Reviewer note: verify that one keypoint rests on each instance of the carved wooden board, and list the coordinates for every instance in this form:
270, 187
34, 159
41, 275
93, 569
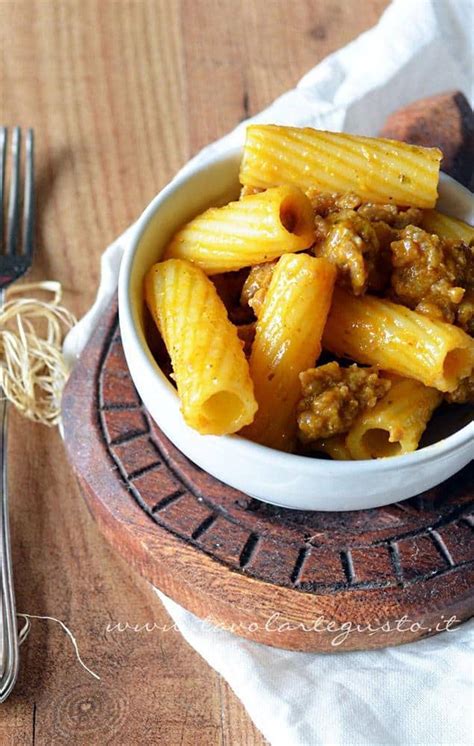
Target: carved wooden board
286, 578
223, 554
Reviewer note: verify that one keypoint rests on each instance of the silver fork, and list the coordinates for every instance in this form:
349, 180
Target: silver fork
16, 246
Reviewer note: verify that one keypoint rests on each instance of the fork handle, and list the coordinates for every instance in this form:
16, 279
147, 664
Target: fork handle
9, 646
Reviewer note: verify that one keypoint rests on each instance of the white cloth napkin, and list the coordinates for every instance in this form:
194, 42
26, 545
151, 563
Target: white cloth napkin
414, 694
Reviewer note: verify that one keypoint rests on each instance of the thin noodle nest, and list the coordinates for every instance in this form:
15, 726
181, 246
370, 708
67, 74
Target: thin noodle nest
33, 370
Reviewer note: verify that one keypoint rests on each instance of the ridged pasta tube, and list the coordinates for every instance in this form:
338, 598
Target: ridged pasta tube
447, 227
258, 228
287, 341
376, 169
396, 423
209, 366
378, 332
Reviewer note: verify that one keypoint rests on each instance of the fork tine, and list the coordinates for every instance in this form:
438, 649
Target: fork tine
13, 204
29, 198
3, 151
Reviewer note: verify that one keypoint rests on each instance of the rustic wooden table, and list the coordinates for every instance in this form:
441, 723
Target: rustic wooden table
121, 93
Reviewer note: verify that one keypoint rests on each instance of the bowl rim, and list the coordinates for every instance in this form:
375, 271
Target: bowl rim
309, 464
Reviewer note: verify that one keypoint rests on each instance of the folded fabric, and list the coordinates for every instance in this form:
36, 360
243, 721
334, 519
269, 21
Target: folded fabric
418, 693
414, 694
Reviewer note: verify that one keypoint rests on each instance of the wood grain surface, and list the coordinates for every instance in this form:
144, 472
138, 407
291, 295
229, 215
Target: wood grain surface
121, 93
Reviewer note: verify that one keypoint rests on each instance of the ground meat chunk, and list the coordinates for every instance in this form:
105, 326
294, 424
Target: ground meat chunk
333, 397
356, 236
464, 394
430, 274
324, 203
256, 286
394, 216
246, 334
465, 312
321, 229
386, 234
350, 242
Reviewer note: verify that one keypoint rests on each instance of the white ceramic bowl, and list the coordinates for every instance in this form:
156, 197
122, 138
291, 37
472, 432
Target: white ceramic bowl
279, 478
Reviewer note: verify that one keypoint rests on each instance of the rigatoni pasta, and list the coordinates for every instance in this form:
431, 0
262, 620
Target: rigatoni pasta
249, 294
446, 226
395, 425
209, 366
257, 228
287, 341
335, 447
376, 169
376, 331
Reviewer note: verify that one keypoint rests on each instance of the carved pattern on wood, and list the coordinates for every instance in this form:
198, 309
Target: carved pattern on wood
399, 545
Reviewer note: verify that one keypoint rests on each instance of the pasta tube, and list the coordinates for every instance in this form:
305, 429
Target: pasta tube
447, 227
378, 332
257, 228
377, 170
335, 447
210, 368
287, 341
396, 423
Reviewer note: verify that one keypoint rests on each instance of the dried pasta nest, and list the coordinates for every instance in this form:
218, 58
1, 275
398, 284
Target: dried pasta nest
33, 370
